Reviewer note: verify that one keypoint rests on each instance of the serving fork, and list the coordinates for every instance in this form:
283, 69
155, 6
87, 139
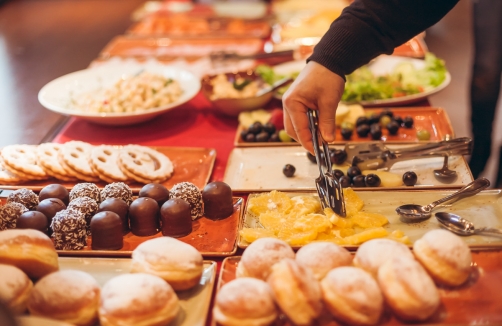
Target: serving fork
328, 188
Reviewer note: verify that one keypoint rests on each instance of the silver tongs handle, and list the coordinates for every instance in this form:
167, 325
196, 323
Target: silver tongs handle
328, 188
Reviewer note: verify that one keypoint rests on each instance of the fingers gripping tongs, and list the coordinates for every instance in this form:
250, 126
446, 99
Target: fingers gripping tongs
329, 189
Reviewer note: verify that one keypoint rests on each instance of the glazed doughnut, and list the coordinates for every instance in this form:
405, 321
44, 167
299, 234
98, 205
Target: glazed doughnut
69, 295
30, 250
408, 289
178, 263
137, 299
352, 295
245, 301
258, 258
372, 254
296, 291
15, 288
321, 257
445, 256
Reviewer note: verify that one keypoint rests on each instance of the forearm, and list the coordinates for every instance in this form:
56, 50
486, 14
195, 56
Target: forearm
368, 28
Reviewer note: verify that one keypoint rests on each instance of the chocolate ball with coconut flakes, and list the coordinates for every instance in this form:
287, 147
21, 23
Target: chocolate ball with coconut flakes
25, 197
117, 190
9, 213
190, 193
85, 189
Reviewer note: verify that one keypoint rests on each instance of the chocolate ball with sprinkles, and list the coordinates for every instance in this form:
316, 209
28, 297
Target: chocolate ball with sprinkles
117, 190
189, 192
25, 197
85, 189
9, 213
69, 228
87, 207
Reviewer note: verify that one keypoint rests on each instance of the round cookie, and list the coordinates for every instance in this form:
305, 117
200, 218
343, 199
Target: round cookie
178, 263
8, 177
143, 163
69, 295
352, 295
74, 157
15, 288
23, 159
245, 301
445, 256
48, 157
117, 190
258, 259
9, 213
86, 189
321, 257
191, 194
23, 196
104, 161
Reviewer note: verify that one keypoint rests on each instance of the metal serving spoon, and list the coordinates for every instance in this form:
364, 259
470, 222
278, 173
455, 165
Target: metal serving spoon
461, 226
445, 175
414, 213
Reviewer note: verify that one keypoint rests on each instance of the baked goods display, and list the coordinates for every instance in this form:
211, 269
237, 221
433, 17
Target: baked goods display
69, 295
245, 301
178, 263
445, 256
77, 160
15, 288
137, 299
30, 250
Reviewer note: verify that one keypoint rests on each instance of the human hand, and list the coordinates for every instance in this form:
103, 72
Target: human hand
317, 88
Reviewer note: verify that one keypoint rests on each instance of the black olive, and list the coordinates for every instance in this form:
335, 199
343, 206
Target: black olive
372, 180
274, 138
244, 133
288, 170
375, 132
345, 181
410, 178
353, 171
311, 157
338, 174
374, 118
250, 138
408, 122
398, 119
262, 137
363, 130
255, 128
362, 121
346, 133
388, 113
358, 181
393, 127
269, 128
338, 156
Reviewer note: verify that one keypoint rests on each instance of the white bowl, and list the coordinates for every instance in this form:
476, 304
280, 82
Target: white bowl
57, 94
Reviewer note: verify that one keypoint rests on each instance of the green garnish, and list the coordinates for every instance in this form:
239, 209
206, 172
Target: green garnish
240, 86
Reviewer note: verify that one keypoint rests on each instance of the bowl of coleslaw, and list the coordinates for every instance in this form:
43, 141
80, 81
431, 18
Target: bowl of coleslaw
122, 94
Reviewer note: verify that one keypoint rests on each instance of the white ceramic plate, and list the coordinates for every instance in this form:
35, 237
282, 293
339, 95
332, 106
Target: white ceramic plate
57, 94
194, 302
380, 66
260, 169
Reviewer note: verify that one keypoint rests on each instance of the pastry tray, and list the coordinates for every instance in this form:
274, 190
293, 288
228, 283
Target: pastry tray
191, 164
477, 301
483, 209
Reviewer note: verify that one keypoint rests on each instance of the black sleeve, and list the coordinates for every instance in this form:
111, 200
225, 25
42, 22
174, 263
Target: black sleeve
368, 28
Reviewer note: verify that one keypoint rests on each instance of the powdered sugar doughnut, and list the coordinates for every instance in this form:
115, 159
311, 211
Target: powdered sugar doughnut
15, 288
321, 257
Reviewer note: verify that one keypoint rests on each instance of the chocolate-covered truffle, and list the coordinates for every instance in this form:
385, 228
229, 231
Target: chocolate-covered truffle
85, 205
69, 228
33, 220
85, 189
218, 202
144, 217
106, 230
155, 191
189, 192
55, 191
50, 206
117, 190
176, 218
119, 207
9, 213
25, 197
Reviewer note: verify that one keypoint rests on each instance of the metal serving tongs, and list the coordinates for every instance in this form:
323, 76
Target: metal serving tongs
329, 189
